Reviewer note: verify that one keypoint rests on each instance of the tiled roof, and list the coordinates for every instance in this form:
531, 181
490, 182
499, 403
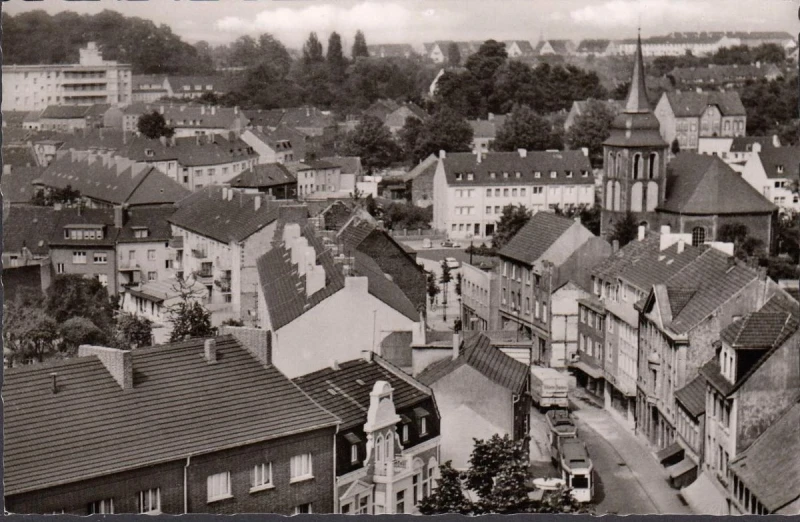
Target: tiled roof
524, 46
593, 46
381, 109
712, 373
759, 330
164, 289
263, 175
478, 353
745, 143
94, 139
679, 298
348, 164
425, 167
785, 158
179, 84
207, 213
116, 183
155, 220
693, 396
28, 226
16, 186
501, 163
307, 117
536, 237
89, 216
692, 104
560, 47
390, 50
93, 427
188, 115
264, 118
769, 467
18, 156
138, 81
190, 151
487, 128
700, 184
720, 74
65, 112
350, 400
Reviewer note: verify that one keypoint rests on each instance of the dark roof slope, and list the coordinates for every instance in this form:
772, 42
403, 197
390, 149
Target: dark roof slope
769, 467
101, 217
155, 220
781, 162
18, 157
190, 151
263, 175
17, 186
538, 235
65, 112
479, 353
759, 330
745, 143
569, 166
207, 213
692, 104
28, 226
693, 396
350, 398
700, 184
92, 427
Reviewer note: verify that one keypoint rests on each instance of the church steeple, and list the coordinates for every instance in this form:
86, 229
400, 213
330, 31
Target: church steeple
637, 95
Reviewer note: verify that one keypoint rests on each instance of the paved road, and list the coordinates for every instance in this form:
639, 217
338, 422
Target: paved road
630, 480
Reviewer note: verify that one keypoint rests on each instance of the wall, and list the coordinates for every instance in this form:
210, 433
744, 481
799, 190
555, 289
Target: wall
161, 253
471, 406
64, 255
244, 273
337, 329
422, 357
564, 325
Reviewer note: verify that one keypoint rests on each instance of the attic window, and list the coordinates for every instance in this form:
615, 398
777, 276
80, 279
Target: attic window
553, 174
517, 175
505, 175
492, 175
585, 173
141, 232
149, 153
780, 169
470, 176
459, 177
569, 173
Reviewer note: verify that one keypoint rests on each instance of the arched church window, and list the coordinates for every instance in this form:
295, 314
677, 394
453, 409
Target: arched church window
637, 166
698, 236
610, 168
617, 164
652, 166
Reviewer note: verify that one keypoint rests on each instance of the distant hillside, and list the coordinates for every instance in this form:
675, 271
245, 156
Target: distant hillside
36, 37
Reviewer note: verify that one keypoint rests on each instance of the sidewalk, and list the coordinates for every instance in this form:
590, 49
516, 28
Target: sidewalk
639, 459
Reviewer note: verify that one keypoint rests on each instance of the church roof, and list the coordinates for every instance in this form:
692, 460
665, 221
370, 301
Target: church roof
700, 184
637, 101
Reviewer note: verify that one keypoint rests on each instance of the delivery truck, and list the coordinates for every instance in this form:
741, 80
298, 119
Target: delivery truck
549, 388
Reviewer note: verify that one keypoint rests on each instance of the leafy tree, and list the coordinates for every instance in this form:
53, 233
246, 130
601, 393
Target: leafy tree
787, 233
453, 55
524, 129
591, 129
444, 130
373, 142
154, 126
312, 50
444, 280
511, 221
405, 216
780, 267
675, 148
459, 280
28, 331
188, 317
273, 55
132, 331
625, 230
448, 497
335, 58
360, 49
432, 288
408, 137
588, 214
76, 331
64, 196
76, 296
744, 246
460, 92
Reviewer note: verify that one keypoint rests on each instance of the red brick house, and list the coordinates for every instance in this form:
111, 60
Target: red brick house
206, 426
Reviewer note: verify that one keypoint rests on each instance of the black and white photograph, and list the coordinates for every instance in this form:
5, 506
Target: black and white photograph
420, 257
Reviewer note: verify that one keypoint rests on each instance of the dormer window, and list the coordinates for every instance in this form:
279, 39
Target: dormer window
517, 175
141, 232
584, 173
553, 174
569, 173
459, 177
149, 153
780, 169
505, 175
493, 175
470, 176
537, 174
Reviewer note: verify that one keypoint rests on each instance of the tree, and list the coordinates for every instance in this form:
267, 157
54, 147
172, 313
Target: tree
453, 55
459, 280
76, 296
588, 214
188, 317
312, 50
591, 129
744, 246
373, 142
625, 230
511, 221
154, 126
360, 49
409, 136
28, 332
79, 330
65, 196
132, 331
444, 130
675, 147
432, 288
273, 55
335, 58
444, 280
523, 129
448, 497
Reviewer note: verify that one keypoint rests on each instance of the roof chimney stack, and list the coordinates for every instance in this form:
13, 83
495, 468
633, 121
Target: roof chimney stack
55, 383
642, 232
681, 246
119, 363
257, 202
523, 153
255, 340
210, 350
442, 154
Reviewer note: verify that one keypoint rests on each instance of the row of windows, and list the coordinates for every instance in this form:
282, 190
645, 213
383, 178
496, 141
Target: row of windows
747, 499
517, 175
592, 318
149, 502
79, 258
539, 310
590, 346
80, 233
219, 484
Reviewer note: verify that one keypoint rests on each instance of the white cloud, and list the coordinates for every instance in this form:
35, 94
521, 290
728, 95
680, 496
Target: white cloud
652, 13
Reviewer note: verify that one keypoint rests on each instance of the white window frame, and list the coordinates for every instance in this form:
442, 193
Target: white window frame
261, 477
310, 509
353, 453
218, 486
102, 507
423, 426
100, 258
77, 255
147, 506
301, 468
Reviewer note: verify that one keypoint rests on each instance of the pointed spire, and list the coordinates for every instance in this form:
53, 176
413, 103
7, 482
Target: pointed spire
637, 95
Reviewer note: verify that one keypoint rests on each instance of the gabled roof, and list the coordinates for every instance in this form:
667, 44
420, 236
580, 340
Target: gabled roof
593, 46
16, 186
18, 156
560, 47
536, 237
89, 139
263, 175
501, 163
28, 226
347, 164
487, 128
165, 289
525, 46
424, 167
769, 467
745, 143
390, 50
701, 184
92, 427
96, 217
350, 398
192, 115
479, 353
785, 159
179, 84
269, 118
693, 396
112, 182
760, 330
65, 112
208, 213
687, 104
195, 151
155, 220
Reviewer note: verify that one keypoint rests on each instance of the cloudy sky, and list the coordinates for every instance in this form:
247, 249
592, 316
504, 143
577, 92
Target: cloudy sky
416, 21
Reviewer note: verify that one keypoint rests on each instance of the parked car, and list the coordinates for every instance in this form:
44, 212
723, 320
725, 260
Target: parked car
450, 244
452, 263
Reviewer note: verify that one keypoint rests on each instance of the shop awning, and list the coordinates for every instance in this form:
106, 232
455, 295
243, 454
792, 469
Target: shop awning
681, 468
591, 371
672, 452
704, 497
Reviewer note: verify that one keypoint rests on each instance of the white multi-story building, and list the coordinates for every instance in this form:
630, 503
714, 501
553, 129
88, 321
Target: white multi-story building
93, 80
775, 173
471, 190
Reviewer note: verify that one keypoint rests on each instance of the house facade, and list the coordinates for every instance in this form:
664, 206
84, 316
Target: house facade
688, 116
775, 173
480, 296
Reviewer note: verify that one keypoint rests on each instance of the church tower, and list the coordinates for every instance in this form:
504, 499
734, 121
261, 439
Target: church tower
634, 158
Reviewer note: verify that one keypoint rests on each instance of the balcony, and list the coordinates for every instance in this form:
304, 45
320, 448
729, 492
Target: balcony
128, 265
223, 284
394, 467
199, 254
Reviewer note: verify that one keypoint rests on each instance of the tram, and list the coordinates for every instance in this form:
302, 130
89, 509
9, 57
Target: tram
577, 470
561, 427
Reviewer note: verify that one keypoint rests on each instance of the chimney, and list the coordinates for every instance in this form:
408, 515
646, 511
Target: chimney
665, 229
490, 117
442, 154
523, 153
367, 355
335, 366
315, 280
642, 232
163, 140
255, 340
119, 363
161, 109
297, 247
197, 140
236, 110
210, 350
6, 169
55, 382
290, 232
456, 345
585, 151
418, 334
119, 216
615, 246
308, 112
776, 142
257, 202
681, 246
479, 157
